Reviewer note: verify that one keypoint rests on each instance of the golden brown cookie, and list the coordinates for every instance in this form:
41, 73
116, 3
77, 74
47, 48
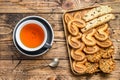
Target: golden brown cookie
79, 23
91, 49
104, 44
107, 65
72, 28
88, 38
107, 53
91, 67
74, 25
74, 42
101, 32
68, 17
78, 54
79, 68
95, 57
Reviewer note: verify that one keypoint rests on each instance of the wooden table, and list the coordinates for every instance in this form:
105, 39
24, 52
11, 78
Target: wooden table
14, 66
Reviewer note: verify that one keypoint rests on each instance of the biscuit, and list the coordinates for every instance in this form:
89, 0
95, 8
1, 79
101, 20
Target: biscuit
91, 49
95, 57
79, 23
107, 65
68, 17
104, 44
77, 55
97, 21
102, 32
96, 12
72, 29
91, 67
88, 38
74, 41
107, 53
79, 68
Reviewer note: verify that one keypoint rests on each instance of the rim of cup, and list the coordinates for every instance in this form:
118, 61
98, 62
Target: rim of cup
17, 35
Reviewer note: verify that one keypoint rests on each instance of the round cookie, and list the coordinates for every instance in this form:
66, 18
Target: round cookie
91, 67
107, 65
95, 57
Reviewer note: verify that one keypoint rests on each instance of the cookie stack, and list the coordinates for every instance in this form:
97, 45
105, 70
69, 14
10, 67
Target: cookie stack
91, 49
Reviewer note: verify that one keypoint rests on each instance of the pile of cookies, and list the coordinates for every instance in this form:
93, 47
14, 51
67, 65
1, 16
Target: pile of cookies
91, 49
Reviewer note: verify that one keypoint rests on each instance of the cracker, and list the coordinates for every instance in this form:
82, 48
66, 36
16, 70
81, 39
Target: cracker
107, 65
96, 12
98, 21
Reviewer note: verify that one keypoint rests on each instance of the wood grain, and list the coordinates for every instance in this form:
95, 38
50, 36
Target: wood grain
11, 11
30, 69
46, 6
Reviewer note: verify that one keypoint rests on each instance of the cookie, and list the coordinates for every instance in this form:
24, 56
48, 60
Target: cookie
104, 44
107, 65
68, 17
91, 67
96, 12
107, 53
88, 38
102, 32
79, 68
79, 23
94, 57
74, 41
77, 55
97, 22
91, 50
72, 29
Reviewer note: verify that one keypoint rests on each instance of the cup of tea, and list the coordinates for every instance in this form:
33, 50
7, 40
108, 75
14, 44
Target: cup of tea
30, 36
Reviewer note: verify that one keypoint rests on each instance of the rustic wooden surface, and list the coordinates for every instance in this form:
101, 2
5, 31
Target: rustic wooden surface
14, 66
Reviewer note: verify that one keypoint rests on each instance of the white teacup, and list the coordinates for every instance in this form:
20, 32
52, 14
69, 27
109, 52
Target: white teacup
21, 24
18, 35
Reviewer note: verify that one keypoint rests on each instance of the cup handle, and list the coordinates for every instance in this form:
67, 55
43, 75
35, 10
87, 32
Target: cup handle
47, 45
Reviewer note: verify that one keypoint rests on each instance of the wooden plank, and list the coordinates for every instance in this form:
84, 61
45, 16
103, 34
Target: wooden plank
44, 6
10, 20
116, 35
29, 7
35, 69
